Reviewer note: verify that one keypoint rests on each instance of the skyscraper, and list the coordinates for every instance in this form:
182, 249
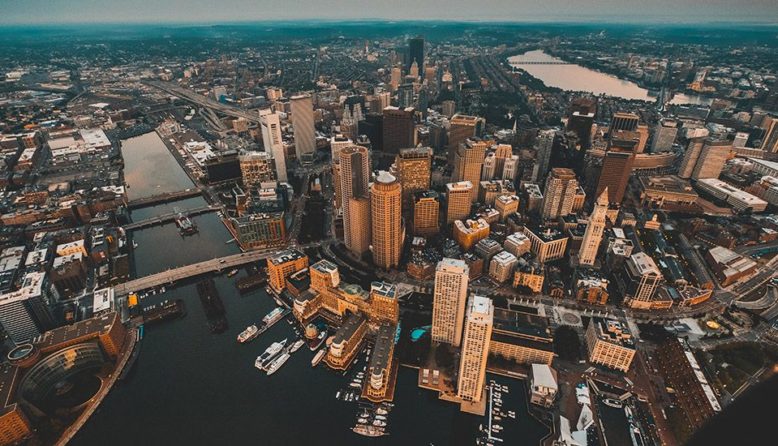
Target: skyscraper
354, 178
616, 169
468, 163
413, 168
426, 213
302, 121
449, 299
386, 220
479, 320
593, 234
416, 52
271, 139
399, 129
559, 195
458, 198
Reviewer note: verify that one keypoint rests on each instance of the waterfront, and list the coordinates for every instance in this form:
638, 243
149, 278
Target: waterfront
574, 77
186, 373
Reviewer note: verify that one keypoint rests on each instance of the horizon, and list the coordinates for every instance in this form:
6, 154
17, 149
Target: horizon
201, 12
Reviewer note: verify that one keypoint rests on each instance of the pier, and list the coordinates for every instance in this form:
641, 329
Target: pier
163, 198
167, 218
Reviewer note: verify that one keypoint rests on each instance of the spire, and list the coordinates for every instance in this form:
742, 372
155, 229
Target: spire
602, 200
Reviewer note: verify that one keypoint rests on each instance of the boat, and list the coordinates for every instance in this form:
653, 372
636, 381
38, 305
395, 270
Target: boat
232, 273
319, 340
185, 225
296, 346
274, 316
379, 423
369, 431
249, 334
278, 362
610, 402
268, 355
318, 357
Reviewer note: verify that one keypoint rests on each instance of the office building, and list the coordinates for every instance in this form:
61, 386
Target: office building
273, 142
501, 266
354, 179
458, 200
302, 122
413, 168
416, 52
479, 317
399, 129
610, 343
593, 234
559, 196
386, 220
468, 163
256, 169
282, 265
664, 136
426, 213
448, 302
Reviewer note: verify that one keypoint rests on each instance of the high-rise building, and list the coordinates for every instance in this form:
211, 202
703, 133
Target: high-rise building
543, 146
399, 129
302, 121
449, 299
479, 320
593, 234
256, 169
468, 163
273, 142
624, 121
354, 179
458, 199
614, 175
460, 129
413, 168
416, 52
664, 135
770, 139
386, 220
426, 213
558, 198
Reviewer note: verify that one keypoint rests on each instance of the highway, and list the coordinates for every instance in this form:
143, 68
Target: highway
203, 101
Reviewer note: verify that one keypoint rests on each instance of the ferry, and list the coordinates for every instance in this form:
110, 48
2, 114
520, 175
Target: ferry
232, 273
274, 316
318, 357
369, 431
268, 355
278, 362
319, 340
185, 225
296, 346
249, 334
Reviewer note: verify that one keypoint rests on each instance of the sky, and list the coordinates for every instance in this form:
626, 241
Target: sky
213, 11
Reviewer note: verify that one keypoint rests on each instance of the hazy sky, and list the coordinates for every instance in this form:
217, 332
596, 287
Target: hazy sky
686, 11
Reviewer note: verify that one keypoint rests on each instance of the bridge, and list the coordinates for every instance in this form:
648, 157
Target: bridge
539, 62
208, 266
203, 101
163, 198
166, 218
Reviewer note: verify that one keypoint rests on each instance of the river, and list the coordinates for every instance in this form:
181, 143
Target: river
574, 77
190, 386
